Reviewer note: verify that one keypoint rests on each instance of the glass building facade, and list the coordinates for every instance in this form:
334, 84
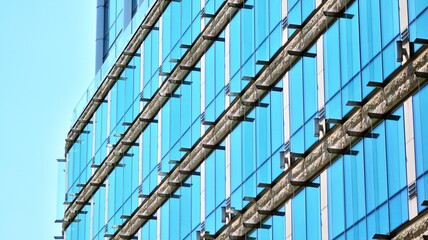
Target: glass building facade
233, 119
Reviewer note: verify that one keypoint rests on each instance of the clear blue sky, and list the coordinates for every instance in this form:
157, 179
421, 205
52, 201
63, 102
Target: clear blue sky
47, 56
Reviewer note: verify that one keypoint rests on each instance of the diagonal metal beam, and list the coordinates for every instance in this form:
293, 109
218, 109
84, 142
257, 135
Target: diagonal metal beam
416, 228
125, 57
270, 74
151, 109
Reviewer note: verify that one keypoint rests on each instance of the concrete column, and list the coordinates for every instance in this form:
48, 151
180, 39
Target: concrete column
160, 83
404, 24
94, 134
410, 154
202, 23
288, 222
202, 126
158, 225
140, 145
108, 149
159, 216
408, 118
285, 85
284, 13
324, 205
99, 42
320, 80
227, 103
286, 102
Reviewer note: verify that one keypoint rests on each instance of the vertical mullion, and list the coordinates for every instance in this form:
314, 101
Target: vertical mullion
410, 154
202, 89
160, 122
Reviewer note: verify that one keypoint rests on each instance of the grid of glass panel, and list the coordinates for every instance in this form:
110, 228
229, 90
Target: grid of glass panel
113, 23
368, 189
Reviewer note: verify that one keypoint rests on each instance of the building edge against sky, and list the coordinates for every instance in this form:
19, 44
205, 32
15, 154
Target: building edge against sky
280, 119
